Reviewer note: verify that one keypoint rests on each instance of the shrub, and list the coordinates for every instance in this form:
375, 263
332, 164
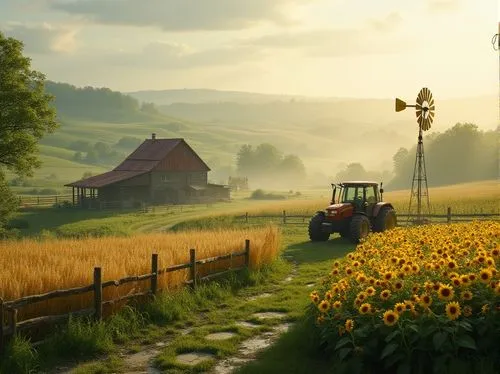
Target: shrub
261, 195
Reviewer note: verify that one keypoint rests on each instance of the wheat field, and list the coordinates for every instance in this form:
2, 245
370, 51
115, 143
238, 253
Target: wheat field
466, 198
31, 267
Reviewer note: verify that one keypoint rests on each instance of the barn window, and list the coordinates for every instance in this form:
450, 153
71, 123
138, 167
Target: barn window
166, 179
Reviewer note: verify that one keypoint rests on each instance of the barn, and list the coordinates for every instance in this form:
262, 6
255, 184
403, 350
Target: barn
159, 171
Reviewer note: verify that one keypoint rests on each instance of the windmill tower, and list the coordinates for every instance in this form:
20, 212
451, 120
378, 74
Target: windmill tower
419, 190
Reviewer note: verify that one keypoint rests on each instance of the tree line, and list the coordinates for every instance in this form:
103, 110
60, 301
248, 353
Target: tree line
462, 153
266, 164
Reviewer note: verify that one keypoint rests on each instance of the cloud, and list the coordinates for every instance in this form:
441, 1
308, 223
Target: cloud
439, 6
167, 55
374, 37
182, 15
44, 38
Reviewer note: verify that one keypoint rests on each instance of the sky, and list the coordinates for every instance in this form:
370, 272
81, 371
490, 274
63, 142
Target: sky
334, 48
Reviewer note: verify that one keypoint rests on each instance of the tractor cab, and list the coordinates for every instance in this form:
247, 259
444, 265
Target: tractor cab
362, 196
356, 208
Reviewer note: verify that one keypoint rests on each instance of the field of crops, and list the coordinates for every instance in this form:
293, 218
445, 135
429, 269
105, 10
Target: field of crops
32, 267
413, 293
467, 198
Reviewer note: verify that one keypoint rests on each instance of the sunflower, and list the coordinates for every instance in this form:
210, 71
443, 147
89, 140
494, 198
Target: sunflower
453, 310
452, 265
388, 275
390, 318
361, 278
324, 306
446, 292
314, 297
320, 320
328, 295
361, 296
485, 308
467, 311
370, 291
337, 305
334, 272
497, 288
410, 307
466, 295
457, 282
385, 295
485, 275
349, 325
365, 308
400, 308
398, 285
465, 280
348, 271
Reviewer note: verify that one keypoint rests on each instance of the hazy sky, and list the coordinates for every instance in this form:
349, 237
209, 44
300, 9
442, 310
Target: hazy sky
358, 48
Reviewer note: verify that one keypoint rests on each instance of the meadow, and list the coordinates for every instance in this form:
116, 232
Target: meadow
31, 267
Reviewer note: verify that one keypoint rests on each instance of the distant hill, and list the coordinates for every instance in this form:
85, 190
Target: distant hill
98, 104
100, 127
199, 96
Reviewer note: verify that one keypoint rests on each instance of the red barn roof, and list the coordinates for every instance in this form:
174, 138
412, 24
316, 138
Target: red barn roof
159, 154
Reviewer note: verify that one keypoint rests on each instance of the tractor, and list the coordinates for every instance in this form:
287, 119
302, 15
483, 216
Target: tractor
356, 209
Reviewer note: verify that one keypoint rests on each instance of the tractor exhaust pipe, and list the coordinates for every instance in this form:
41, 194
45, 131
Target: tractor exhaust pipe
381, 191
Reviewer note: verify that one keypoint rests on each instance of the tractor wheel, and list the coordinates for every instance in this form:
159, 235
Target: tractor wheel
316, 233
359, 228
385, 220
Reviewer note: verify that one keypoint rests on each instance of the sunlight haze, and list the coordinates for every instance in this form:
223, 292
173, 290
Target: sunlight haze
334, 48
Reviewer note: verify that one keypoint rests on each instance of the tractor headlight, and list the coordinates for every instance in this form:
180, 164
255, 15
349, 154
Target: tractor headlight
332, 212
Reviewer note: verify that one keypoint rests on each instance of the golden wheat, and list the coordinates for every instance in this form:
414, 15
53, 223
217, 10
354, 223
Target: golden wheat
32, 267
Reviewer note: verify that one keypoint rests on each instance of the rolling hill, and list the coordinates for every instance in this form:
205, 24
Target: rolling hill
324, 134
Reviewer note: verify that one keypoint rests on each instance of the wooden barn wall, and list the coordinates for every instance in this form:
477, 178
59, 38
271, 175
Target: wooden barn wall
181, 158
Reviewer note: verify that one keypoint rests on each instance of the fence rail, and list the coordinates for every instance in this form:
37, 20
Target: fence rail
292, 219
43, 200
9, 309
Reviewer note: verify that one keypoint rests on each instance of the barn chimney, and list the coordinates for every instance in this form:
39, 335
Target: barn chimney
153, 136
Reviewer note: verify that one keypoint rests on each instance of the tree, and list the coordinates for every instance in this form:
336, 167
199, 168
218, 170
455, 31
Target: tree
26, 116
292, 168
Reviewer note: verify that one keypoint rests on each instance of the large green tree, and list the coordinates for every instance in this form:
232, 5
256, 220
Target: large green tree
26, 115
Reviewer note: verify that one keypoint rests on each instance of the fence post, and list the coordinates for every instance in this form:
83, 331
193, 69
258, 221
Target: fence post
13, 321
154, 271
1, 325
56, 199
284, 216
38, 200
192, 255
448, 215
247, 253
98, 293
246, 217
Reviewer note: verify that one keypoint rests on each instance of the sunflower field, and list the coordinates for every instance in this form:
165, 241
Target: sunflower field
414, 300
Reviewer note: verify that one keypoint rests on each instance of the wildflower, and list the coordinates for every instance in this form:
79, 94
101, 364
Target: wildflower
390, 318
453, 310
445, 292
349, 325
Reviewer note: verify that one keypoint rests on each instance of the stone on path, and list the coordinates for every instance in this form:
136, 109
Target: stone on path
220, 336
268, 315
248, 325
193, 358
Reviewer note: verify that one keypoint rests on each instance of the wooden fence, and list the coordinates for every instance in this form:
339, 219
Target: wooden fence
10, 308
403, 219
43, 200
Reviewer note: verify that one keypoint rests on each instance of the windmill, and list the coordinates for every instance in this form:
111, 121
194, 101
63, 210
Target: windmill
425, 115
